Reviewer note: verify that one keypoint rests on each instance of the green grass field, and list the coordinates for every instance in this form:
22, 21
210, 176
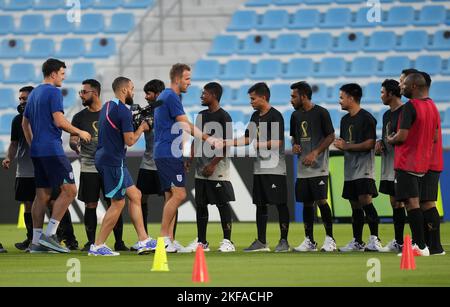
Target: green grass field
233, 269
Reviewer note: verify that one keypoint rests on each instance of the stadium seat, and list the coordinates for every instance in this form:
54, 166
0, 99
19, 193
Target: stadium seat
350, 42
224, 45
280, 94
70, 96
121, 23
243, 21
268, 69
319, 92
305, 19
445, 70
432, 15
31, 24
59, 25
41, 48
286, 44
371, 93
90, 24
80, 72
192, 97
413, 41
7, 98
85, 4
21, 73
71, 48
432, 64
2, 74
242, 95
287, 2
331, 68
49, 4
107, 4
206, 70
441, 41
439, 91
102, 48
381, 41
314, 2
361, 20
236, 116
399, 16
138, 4
6, 24
363, 67
18, 5
11, 48
318, 43
227, 95
255, 45
333, 95
5, 123
392, 66
446, 140
446, 119
336, 18
349, 1
236, 70
335, 116
299, 68
287, 121
253, 3
274, 20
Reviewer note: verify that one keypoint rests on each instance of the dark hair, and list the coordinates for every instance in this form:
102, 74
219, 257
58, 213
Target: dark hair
214, 88
260, 89
303, 88
52, 65
27, 89
409, 71
119, 82
94, 84
417, 79
427, 78
392, 87
156, 86
177, 71
353, 90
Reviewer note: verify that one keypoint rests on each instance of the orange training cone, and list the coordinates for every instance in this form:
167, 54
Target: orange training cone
407, 262
200, 272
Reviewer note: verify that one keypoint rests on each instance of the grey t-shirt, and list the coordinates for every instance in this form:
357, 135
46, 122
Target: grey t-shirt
213, 124
355, 130
308, 130
266, 128
87, 121
390, 122
147, 160
25, 167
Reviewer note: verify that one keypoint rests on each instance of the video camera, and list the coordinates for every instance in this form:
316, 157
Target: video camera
144, 113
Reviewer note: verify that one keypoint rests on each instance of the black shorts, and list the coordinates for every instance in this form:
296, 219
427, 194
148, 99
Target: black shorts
269, 189
406, 185
213, 192
90, 186
148, 182
429, 186
52, 171
311, 189
354, 188
25, 189
387, 187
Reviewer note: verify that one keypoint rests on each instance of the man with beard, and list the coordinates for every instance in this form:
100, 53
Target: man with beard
115, 133
90, 181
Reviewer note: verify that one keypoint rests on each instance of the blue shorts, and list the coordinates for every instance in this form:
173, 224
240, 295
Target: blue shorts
52, 172
171, 173
116, 180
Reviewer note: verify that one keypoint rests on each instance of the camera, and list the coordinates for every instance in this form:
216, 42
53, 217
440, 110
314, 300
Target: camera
146, 113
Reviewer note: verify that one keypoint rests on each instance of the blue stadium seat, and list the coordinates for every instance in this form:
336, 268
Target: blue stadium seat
319, 92
318, 43
331, 68
59, 25
242, 95
268, 69
49, 4
439, 91
399, 16
431, 15
137, 4
206, 70
21, 73
90, 24
280, 94
71, 48
314, 2
81, 71
335, 116
372, 93
7, 98
236, 70
227, 95
243, 21
31, 24
349, 1
6, 24
274, 20
287, 2
446, 119
237, 116
446, 140
392, 66
102, 48
432, 64
255, 44
287, 122
381, 41
363, 67
305, 19
70, 96
361, 19
18, 5
224, 45
413, 41
336, 18
2, 74
41, 48
192, 97
253, 3
333, 97
446, 69
286, 44
299, 68
107, 4
441, 41
11, 48
121, 23
5, 123
350, 42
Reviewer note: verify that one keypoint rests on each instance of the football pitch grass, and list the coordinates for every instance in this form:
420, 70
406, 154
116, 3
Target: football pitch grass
229, 270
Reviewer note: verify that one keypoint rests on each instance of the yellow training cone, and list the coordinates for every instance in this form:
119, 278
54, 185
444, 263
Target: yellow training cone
21, 219
160, 261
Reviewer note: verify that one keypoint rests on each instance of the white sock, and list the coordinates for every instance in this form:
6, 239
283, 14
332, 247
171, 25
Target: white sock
52, 227
144, 241
36, 235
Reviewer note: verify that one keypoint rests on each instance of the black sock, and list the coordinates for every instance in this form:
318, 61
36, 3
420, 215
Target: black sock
261, 222
308, 221
175, 225
202, 222
66, 226
118, 230
415, 218
225, 218
358, 224
90, 223
29, 224
325, 212
372, 219
283, 219
399, 216
433, 221
144, 216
